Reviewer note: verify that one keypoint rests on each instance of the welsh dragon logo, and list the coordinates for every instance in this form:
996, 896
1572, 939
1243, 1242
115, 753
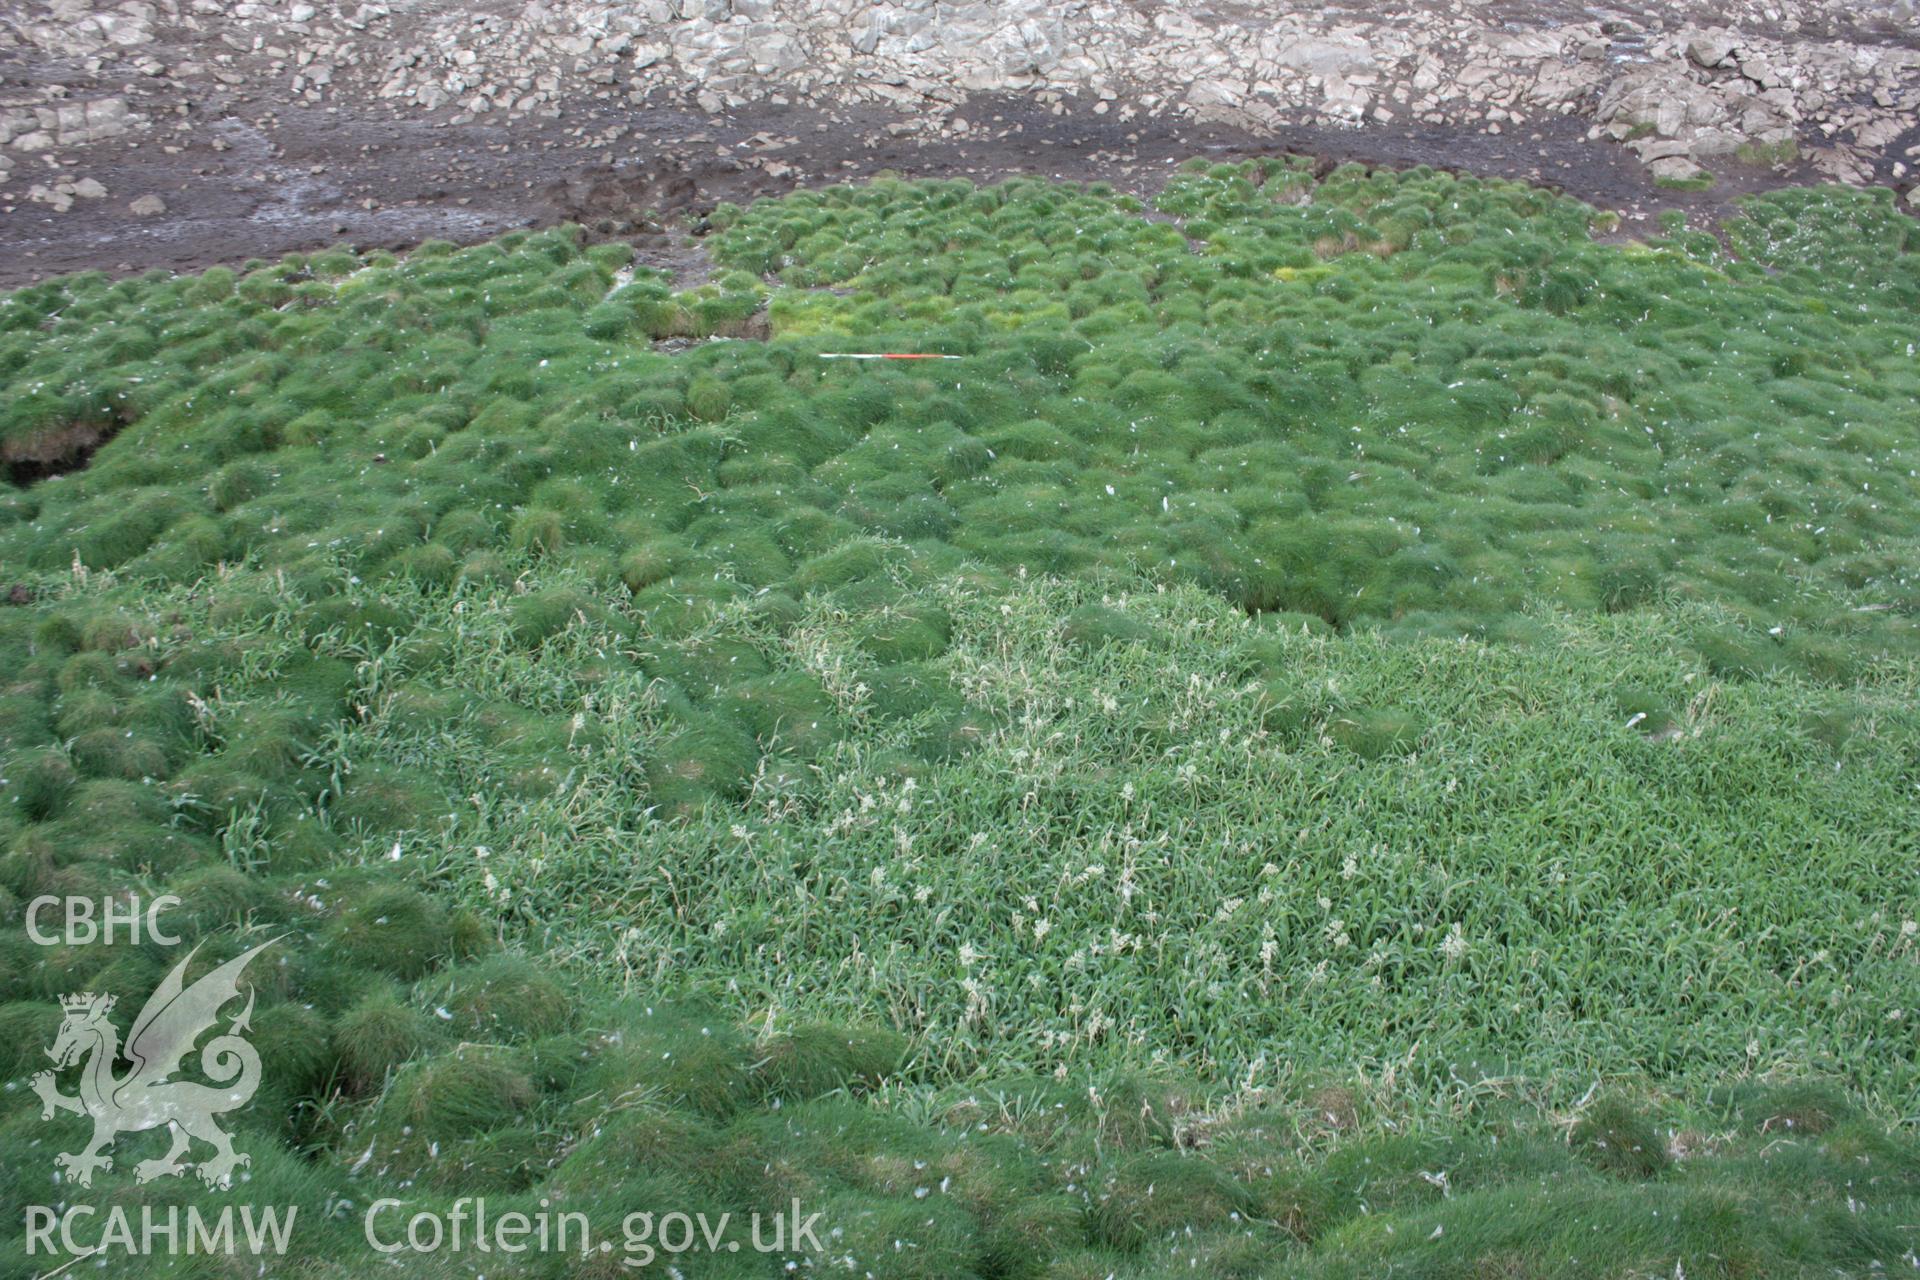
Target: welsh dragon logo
145, 1097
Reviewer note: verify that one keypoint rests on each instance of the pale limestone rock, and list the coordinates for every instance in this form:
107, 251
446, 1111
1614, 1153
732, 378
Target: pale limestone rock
1711, 48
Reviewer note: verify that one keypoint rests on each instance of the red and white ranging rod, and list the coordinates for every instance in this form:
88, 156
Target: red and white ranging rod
882, 355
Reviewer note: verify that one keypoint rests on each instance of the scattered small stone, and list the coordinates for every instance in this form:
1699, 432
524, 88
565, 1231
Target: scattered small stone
148, 206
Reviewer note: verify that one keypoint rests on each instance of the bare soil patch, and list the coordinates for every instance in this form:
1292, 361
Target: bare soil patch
322, 177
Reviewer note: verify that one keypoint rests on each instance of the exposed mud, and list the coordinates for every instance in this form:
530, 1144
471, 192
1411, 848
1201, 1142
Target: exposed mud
322, 178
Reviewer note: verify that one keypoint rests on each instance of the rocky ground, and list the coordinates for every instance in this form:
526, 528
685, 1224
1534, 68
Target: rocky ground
182, 132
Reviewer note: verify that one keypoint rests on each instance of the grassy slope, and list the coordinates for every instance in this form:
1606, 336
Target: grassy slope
425, 614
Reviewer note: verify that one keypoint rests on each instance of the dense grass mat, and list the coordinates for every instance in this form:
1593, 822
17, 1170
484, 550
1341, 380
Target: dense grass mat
1156, 831
1338, 670
1133, 1180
